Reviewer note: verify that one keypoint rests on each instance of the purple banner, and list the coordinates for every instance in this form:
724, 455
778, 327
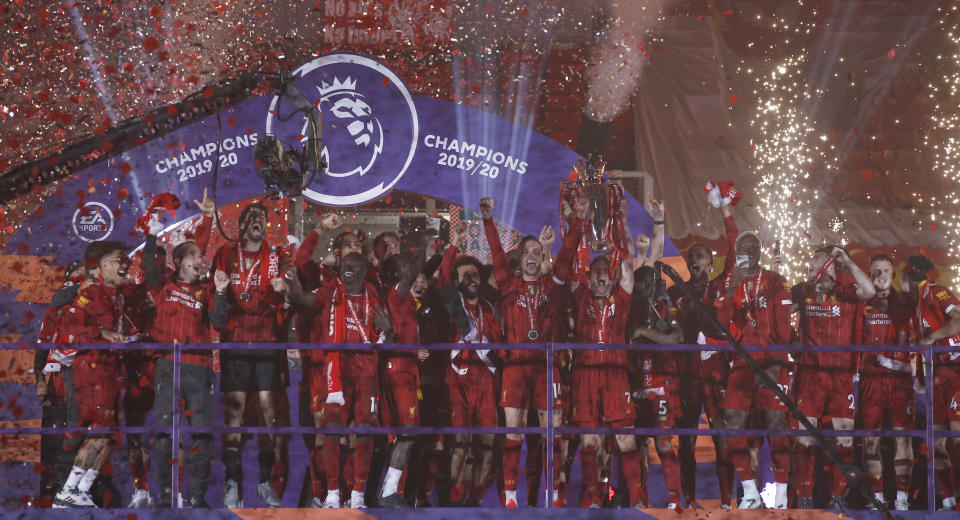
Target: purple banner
376, 136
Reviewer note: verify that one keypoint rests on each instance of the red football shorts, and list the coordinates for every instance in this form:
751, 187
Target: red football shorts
743, 392
886, 395
96, 386
526, 384
473, 398
602, 395
317, 382
401, 392
830, 389
946, 395
660, 405
361, 397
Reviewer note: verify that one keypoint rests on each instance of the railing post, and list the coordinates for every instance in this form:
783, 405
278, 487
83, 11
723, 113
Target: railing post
928, 402
175, 452
548, 442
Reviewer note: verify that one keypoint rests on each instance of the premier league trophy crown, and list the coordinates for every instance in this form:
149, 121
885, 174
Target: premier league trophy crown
604, 194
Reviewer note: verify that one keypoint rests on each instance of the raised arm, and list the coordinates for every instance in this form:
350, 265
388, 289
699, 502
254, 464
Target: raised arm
201, 235
568, 247
730, 227
152, 271
220, 310
656, 245
458, 234
626, 277
622, 213
501, 266
865, 288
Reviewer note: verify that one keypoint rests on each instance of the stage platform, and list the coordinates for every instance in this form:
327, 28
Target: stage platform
461, 514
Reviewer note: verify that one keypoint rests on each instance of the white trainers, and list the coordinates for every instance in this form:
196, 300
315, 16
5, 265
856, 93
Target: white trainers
267, 493
141, 500
357, 500
751, 503
72, 498
180, 500
332, 501
231, 495
317, 503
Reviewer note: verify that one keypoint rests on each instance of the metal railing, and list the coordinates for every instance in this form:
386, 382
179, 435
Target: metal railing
550, 431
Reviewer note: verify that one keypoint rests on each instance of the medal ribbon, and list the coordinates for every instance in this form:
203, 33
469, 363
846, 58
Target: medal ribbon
243, 268
604, 310
531, 302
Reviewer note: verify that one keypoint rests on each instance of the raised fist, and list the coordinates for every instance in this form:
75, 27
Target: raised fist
221, 280
486, 207
206, 206
458, 234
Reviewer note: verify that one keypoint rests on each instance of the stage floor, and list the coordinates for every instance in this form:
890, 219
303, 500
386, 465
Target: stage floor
462, 514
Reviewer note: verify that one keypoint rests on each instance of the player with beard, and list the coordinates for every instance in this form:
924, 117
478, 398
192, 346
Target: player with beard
756, 304
528, 317
709, 368
400, 372
886, 379
98, 317
186, 309
256, 300
827, 310
352, 314
471, 373
937, 321
600, 385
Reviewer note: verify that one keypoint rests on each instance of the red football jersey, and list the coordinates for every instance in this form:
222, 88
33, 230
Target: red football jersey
182, 312
601, 321
827, 319
932, 313
403, 310
254, 305
759, 314
348, 318
884, 321
526, 305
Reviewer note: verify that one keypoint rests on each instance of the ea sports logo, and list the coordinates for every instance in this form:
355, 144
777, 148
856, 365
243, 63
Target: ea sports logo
369, 126
92, 222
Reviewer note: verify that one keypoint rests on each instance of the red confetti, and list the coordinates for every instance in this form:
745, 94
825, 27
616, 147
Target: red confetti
23, 247
125, 167
732, 99
151, 44
122, 193
891, 53
231, 121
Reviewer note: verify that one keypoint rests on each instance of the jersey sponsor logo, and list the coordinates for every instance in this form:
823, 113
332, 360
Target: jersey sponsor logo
93, 221
370, 127
824, 311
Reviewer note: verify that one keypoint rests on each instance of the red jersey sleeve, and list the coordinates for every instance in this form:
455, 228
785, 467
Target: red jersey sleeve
446, 266
729, 261
201, 235
568, 249
782, 301
501, 266
945, 299
847, 293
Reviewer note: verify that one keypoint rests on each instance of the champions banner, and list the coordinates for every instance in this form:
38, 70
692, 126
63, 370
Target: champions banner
377, 136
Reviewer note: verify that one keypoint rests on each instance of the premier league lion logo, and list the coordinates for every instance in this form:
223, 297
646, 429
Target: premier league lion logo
353, 137
369, 126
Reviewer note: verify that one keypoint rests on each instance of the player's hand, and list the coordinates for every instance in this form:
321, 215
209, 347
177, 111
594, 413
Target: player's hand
206, 206
657, 210
547, 237
776, 263
111, 336
643, 244
581, 205
458, 234
423, 354
382, 320
221, 280
329, 221
740, 273
840, 256
154, 226
279, 285
486, 207
43, 391
565, 209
